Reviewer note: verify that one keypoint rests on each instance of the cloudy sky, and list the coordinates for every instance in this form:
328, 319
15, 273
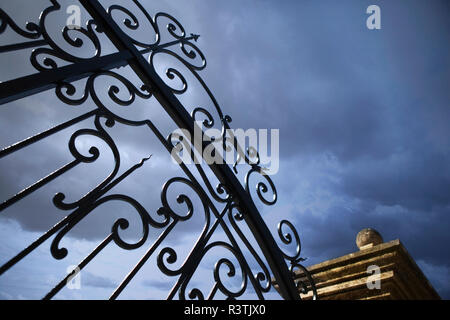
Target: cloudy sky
364, 136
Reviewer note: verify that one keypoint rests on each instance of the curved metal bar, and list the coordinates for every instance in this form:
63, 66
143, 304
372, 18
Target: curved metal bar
58, 199
195, 293
67, 220
133, 24
168, 255
55, 50
60, 253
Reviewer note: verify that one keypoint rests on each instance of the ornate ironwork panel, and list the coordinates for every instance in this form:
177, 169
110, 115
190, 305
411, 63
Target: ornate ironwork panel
105, 68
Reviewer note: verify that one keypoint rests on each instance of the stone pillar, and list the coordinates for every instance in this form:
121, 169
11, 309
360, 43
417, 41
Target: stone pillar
377, 271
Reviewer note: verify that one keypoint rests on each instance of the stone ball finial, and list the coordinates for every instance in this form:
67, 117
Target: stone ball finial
368, 238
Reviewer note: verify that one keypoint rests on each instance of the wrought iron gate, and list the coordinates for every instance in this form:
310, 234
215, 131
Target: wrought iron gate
58, 70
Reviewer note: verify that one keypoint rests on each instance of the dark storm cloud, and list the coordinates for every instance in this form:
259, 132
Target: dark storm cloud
377, 101
412, 180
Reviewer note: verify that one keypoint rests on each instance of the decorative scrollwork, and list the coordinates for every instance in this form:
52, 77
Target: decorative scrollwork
178, 144
132, 22
262, 278
182, 198
55, 50
168, 255
209, 121
287, 238
171, 73
219, 283
65, 91
231, 273
291, 237
173, 26
121, 223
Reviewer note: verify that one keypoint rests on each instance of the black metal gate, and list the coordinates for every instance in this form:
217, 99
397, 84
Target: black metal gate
58, 70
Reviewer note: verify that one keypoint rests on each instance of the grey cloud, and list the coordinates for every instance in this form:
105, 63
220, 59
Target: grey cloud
415, 181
